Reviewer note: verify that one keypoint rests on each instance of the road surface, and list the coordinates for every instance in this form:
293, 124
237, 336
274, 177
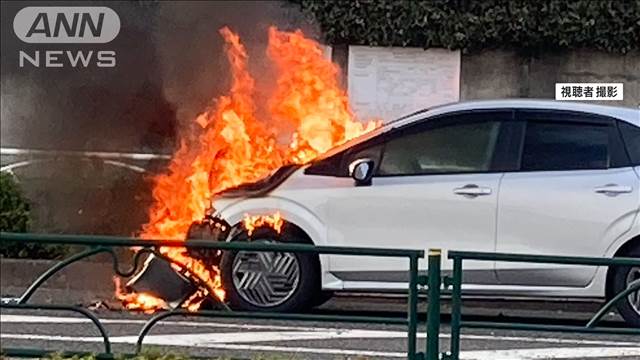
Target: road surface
305, 340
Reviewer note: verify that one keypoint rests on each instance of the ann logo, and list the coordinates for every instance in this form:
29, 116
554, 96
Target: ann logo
66, 24
75, 27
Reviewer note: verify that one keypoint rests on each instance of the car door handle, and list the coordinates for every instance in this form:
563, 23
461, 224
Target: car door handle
472, 190
613, 189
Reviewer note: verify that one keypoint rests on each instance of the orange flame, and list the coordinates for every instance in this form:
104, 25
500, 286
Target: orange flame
251, 223
308, 96
227, 145
138, 301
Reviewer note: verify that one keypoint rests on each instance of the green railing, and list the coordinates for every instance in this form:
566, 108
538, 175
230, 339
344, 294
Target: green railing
434, 280
106, 244
455, 282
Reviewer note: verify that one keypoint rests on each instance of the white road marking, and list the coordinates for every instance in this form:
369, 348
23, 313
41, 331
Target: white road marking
206, 339
171, 340
79, 320
198, 341
297, 330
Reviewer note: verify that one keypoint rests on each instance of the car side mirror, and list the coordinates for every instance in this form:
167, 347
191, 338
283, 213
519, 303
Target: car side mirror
361, 171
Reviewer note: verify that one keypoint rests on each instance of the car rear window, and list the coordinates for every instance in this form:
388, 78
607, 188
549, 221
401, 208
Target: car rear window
565, 146
631, 137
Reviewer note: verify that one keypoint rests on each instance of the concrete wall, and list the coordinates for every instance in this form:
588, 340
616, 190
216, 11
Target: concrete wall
81, 283
506, 74
494, 74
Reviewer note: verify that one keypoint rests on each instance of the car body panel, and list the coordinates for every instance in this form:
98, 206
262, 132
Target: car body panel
315, 203
418, 212
633, 233
538, 215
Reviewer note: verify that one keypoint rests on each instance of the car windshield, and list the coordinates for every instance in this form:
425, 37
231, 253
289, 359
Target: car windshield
364, 137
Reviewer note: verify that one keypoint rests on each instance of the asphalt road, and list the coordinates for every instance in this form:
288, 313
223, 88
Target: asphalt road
305, 340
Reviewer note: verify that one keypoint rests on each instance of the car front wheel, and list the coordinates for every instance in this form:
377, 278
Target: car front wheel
270, 281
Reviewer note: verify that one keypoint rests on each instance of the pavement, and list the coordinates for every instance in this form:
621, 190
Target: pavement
314, 340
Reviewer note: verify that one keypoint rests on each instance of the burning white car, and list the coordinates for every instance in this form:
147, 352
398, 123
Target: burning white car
516, 176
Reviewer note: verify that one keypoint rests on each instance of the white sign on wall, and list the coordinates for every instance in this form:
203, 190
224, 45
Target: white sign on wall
387, 83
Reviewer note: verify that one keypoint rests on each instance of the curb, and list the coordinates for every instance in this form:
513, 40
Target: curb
83, 282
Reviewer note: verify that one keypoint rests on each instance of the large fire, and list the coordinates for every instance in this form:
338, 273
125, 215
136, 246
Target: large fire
228, 144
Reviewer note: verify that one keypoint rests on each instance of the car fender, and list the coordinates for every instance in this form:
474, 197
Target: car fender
624, 238
290, 211
632, 233
598, 284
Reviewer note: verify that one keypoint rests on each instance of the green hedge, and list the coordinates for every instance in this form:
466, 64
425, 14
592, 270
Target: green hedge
525, 25
14, 208
15, 217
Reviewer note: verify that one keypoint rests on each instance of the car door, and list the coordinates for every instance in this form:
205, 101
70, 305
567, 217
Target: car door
631, 137
575, 193
435, 187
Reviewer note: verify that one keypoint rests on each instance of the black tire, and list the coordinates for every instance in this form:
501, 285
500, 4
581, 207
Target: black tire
322, 297
618, 282
305, 290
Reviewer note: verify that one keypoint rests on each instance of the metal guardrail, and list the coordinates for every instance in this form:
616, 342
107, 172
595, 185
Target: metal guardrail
434, 279
106, 244
455, 282
36, 156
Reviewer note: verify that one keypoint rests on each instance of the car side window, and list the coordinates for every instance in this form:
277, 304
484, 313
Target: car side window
454, 148
631, 137
331, 166
338, 164
565, 146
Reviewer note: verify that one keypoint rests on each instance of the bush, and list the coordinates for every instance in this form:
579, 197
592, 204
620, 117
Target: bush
525, 25
14, 208
15, 217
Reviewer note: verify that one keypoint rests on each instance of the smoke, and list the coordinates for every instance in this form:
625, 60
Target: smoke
191, 55
84, 108
170, 65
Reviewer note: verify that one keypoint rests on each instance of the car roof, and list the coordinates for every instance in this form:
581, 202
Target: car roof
628, 114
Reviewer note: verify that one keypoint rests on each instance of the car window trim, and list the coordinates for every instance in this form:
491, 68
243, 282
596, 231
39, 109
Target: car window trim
524, 116
569, 116
516, 122
625, 144
502, 116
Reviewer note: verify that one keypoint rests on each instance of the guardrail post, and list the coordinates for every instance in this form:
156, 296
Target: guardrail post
412, 316
456, 304
433, 305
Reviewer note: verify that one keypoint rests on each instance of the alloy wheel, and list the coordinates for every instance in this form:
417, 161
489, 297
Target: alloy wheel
634, 297
265, 279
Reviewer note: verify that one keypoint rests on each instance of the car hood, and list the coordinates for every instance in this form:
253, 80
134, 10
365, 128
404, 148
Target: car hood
262, 186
